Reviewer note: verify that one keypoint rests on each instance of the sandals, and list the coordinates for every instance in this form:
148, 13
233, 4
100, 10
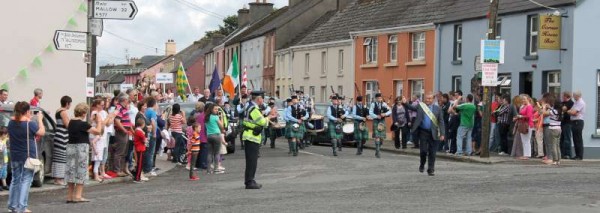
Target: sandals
81, 200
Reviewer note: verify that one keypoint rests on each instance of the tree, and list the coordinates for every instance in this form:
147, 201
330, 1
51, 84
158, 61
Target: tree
230, 24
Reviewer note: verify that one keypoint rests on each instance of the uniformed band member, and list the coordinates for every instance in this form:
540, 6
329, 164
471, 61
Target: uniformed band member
241, 106
430, 126
336, 115
378, 111
296, 117
287, 123
254, 122
360, 113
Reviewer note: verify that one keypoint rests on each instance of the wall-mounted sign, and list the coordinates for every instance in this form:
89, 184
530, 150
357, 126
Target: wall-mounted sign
549, 32
492, 51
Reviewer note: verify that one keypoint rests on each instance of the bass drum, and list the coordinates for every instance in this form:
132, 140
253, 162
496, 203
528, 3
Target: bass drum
348, 127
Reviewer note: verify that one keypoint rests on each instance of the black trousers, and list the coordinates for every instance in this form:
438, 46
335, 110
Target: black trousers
428, 147
577, 130
251, 150
193, 162
404, 131
503, 131
565, 138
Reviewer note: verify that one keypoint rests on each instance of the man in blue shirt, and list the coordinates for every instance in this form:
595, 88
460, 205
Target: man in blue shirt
296, 117
149, 154
378, 111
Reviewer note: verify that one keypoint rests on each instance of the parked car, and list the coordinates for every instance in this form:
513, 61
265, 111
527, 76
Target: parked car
323, 136
45, 143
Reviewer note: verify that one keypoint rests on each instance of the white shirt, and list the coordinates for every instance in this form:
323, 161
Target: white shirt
194, 98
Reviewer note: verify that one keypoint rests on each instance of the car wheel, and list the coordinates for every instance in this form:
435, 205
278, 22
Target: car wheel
38, 178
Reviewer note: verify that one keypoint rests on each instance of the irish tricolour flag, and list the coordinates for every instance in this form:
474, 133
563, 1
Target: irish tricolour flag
231, 79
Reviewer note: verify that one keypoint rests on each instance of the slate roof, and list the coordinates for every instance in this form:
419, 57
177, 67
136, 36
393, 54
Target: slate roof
473, 9
104, 77
117, 79
192, 53
291, 13
398, 13
322, 20
149, 60
253, 27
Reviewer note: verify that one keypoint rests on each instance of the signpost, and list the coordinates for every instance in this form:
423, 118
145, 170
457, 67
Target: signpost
115, 9
70, 40
96, 26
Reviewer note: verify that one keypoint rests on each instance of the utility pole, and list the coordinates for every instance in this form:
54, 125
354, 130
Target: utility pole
91, 47
487, 93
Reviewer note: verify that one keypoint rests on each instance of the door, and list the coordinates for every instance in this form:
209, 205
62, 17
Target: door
526, 83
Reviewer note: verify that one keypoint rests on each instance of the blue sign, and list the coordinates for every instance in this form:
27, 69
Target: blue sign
492, 51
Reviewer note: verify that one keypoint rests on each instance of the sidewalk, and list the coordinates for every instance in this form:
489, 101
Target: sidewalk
388, 146
161, 162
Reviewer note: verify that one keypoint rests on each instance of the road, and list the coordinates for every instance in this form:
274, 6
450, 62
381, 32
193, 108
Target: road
317, 182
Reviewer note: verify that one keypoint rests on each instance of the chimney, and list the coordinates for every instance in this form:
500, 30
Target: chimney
243, 16
134, 61
170, 47
259, 10
291, 3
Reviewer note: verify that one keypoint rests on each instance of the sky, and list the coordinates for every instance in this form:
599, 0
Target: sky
185, 21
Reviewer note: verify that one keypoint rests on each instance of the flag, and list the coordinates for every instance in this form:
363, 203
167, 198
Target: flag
181, 82
215, 82
245, 78
232, 78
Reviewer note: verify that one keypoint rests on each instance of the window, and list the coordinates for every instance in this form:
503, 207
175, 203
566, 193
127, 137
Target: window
323, 63
417, 88
306, 64
393, 47
418, 46
371, 89
504, 83
301, 88
370, 50
457, 42
553, 83
456, 83
399, 88
532, 32
598, 98
311, 92
341, 61
498, 29
340, 90
323, 94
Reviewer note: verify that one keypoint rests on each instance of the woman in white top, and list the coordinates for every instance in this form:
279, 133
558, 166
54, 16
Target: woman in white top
169, 96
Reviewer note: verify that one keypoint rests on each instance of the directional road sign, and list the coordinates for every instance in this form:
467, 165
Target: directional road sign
70, 40
115, 9
96, 26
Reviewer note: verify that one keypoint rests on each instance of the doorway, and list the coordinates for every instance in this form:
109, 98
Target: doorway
526, 83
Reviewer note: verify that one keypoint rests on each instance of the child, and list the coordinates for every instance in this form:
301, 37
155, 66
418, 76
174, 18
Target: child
140, 142
189, 133
193, 150
3, 157
166, 139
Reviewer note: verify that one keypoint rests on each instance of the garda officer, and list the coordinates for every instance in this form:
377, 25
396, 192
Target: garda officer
336, 114
378, 111
254, 123
296, 117
430, 126
360, 113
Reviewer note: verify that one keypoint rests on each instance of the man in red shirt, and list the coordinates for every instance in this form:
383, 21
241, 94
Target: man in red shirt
493, 136
37, 96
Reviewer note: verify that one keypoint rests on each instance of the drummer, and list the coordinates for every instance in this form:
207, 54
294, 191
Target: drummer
378, 111
360, 113
336, 114
296, 118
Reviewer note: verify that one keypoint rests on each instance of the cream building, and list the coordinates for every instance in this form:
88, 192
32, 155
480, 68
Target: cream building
29, 28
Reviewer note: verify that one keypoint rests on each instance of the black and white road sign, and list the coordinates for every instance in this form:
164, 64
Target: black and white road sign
70, 40
115, 9
96, 26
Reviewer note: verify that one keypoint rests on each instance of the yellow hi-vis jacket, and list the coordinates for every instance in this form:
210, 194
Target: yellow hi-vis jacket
253, 119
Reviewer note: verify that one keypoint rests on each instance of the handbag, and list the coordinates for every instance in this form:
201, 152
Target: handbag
32, 163
223, 150
522, 127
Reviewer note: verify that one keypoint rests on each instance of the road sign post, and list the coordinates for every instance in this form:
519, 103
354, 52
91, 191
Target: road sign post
115, 10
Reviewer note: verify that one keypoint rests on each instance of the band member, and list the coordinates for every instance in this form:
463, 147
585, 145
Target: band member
378, 111
287, 123
296, 118
360, 112
273, 114
430, 126
336, 114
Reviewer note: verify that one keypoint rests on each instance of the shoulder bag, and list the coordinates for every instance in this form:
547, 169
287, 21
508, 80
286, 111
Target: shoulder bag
32, 163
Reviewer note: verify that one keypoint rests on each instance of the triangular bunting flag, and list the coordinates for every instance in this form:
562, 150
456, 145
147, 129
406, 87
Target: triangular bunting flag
72, 22
24, 74
4, 86
37, 61
50, 48
83, 7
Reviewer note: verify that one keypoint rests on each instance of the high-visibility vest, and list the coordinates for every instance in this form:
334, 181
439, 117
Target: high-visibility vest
253, 119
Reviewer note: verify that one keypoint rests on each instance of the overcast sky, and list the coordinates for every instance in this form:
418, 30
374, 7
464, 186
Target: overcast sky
185, 21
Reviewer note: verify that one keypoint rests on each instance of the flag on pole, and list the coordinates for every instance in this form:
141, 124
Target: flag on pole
245, 78
181, 82
214, 81
232, 78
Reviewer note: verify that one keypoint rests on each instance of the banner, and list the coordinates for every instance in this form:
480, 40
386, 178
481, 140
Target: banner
549, 32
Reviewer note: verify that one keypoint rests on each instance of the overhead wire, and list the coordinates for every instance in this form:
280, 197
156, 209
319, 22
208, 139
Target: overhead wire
200, 9
156, 49
542, 5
